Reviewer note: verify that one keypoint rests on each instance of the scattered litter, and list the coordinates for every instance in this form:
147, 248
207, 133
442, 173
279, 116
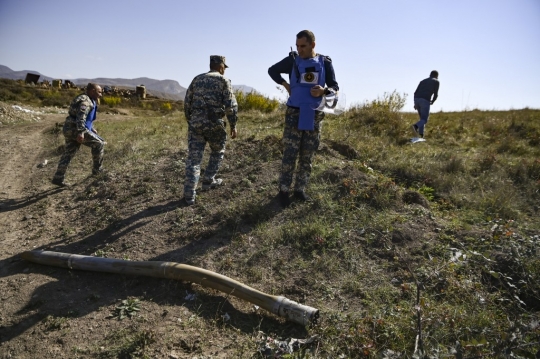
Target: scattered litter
275, 348
190, 296
457, 256
226, 317
19, 108
15, 113
43, 164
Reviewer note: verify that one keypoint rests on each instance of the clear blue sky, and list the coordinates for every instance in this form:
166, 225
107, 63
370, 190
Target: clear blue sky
486, 51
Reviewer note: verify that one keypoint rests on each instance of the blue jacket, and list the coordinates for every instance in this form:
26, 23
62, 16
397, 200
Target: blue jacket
426, 88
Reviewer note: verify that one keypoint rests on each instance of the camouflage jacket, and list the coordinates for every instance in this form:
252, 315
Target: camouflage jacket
79, 109
210, 97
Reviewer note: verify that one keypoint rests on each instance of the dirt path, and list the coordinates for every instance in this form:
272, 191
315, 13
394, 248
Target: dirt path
22, 148
27, 199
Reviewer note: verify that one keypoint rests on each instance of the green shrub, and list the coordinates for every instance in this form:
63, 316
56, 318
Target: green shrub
14, 91
380, 117
53, 97
428, 192
166, 106
255, 101
111, 101
7, 95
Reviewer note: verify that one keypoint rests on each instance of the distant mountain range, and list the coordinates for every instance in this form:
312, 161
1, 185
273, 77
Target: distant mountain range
169, 89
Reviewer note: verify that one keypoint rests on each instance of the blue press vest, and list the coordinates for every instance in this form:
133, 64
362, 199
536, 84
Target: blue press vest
301, 86
91, 117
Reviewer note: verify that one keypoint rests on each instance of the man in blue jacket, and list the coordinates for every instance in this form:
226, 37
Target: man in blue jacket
422, 100
78, 129
311, 76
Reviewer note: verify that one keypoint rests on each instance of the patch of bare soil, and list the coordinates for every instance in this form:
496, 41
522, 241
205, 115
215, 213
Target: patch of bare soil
48, 311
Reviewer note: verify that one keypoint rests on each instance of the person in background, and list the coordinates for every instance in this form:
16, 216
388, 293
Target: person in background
422, 100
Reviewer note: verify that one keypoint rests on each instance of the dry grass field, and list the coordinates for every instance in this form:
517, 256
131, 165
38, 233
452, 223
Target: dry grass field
426, 250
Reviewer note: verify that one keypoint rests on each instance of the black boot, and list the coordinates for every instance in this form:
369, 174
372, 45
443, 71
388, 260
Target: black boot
284, 199
97, 171
301, 195
60, 182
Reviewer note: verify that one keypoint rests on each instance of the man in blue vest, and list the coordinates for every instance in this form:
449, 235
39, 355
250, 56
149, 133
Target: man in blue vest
311, 76
78, 129
422, 100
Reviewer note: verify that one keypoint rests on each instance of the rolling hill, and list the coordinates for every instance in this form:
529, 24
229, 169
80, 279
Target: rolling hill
169, 89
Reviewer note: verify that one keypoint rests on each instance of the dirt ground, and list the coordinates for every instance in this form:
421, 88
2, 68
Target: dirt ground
50, 312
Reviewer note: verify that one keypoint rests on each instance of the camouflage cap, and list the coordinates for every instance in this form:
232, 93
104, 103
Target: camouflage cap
216, 59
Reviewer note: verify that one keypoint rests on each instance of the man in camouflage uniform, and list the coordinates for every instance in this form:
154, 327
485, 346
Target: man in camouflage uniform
308, 72
78, 129
208, 99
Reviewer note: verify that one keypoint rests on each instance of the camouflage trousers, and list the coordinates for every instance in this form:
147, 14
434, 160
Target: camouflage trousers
198, 135
299, 145
72, 146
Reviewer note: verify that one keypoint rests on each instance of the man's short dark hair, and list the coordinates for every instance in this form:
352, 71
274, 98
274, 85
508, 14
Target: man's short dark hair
310, 37
91, 86
434, 73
